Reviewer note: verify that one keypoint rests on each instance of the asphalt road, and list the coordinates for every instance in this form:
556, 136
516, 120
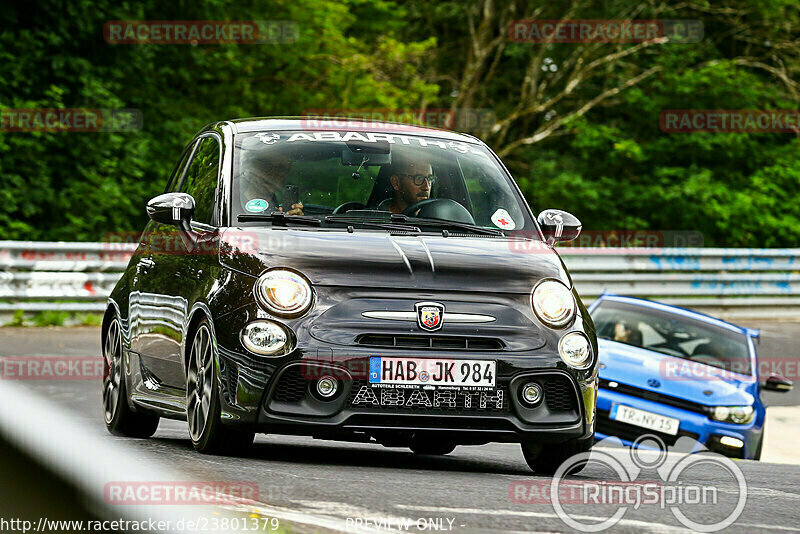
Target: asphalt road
474, 489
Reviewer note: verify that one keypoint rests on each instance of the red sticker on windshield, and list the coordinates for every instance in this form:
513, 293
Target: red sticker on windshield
503, 220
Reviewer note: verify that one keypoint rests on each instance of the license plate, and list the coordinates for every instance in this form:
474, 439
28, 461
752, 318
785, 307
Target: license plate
644, 419
426, 371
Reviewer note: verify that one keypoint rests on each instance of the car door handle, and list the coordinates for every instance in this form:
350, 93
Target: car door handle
146, 262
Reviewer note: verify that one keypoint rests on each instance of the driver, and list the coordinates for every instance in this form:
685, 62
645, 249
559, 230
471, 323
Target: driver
411, 182
625, 333
265, 172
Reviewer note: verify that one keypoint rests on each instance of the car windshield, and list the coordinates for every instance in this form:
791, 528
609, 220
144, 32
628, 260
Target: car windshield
343, 178
672, 334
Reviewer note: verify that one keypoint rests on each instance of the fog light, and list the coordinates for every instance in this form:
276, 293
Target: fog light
532, 393
264, 337
575, 350
731, 442
327, 386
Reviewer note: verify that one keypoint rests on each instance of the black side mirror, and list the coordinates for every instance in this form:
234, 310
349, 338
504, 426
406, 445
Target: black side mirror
558, 225
777, 383
175, 209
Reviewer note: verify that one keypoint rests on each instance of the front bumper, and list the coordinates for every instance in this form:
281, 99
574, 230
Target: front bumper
693, 425
332, 339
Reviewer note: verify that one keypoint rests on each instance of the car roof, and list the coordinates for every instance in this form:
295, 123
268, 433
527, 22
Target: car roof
260, 124
679, 311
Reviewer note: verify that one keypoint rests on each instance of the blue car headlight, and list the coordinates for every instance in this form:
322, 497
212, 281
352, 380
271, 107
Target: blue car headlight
738, 415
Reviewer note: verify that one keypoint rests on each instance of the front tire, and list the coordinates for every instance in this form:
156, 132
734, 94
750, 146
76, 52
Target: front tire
119, 418
547, 459
203, 410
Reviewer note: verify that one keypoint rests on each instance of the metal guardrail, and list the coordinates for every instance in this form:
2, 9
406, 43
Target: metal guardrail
734, 282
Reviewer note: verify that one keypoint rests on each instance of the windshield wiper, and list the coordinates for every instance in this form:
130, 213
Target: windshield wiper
372, 222
278, 218
441, 223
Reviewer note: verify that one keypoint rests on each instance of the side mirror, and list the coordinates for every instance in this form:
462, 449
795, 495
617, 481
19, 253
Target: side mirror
777, 383
558, 225
175, 209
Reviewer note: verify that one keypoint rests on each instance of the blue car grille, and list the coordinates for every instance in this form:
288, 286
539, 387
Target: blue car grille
657, 397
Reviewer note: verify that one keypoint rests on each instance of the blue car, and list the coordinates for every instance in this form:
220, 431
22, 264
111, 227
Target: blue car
673, 372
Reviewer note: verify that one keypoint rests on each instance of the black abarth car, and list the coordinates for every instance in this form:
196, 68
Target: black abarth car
352, 281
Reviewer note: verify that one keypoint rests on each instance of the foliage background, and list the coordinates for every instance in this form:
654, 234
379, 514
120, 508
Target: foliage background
610, 165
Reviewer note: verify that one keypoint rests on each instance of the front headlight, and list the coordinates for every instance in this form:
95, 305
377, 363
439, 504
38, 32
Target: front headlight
264, 337
575, 350
738, 415
553, 303
283, 292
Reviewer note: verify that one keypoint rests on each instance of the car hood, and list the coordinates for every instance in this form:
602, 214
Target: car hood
377, 259
660, 373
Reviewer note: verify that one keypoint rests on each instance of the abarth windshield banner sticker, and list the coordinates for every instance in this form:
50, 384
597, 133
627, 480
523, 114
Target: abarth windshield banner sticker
370, 137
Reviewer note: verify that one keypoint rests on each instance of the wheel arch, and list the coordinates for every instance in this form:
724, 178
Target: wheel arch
112, 312
198, 312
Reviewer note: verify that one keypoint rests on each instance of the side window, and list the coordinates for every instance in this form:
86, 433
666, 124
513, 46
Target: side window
201, 180
180, 169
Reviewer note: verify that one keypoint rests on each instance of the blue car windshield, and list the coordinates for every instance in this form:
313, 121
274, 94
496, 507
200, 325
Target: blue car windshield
672, 334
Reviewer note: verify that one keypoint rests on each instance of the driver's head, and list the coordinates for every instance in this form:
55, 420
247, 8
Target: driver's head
411, 180
622, 332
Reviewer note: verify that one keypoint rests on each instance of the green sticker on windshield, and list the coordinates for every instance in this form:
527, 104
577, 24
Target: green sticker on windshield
256, 205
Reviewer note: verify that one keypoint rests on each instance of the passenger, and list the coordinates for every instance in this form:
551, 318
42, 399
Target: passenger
263, 174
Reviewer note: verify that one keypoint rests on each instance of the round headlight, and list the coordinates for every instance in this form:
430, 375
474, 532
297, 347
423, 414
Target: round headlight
739, 415
264, 337
283, 292
721, 413
553, 303
575, 350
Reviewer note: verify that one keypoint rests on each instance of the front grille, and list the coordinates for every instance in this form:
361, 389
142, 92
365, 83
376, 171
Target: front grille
430, 342
559, 395
462, 404
610, 427
291, 386
657, 397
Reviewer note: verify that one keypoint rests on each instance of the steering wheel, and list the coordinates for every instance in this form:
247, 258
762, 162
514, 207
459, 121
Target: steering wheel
344, 208
440, 208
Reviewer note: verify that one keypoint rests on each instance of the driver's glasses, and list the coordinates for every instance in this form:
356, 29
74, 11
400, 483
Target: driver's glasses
419, 178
